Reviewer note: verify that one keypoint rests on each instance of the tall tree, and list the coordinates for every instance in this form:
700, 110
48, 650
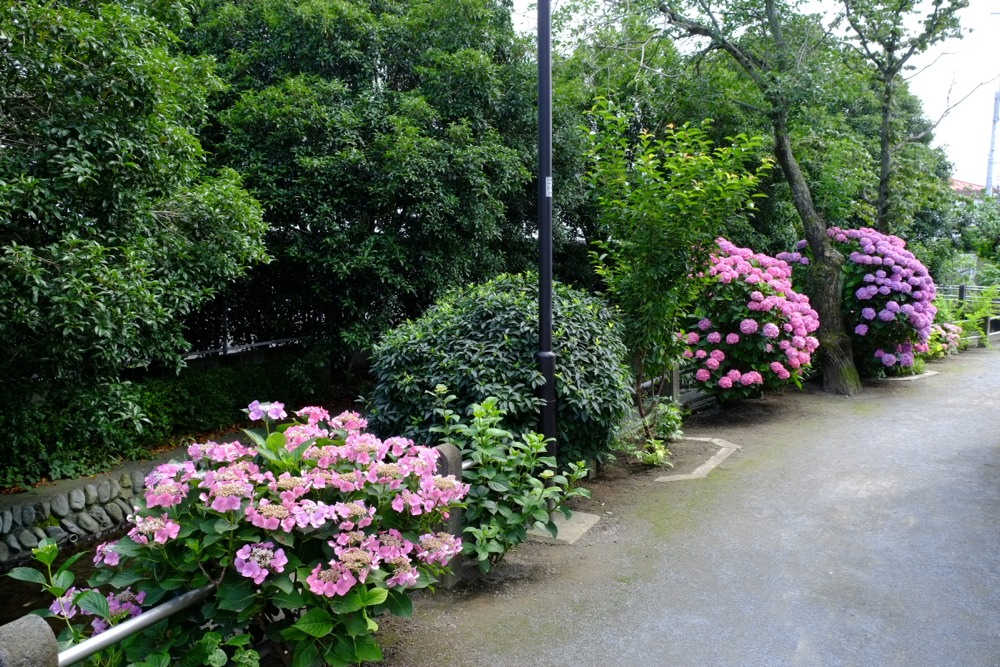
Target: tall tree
111, 226
664, 200
773, 46
388, 142
889, 35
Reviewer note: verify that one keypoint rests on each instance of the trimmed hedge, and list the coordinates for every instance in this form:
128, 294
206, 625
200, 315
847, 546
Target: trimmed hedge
481, 341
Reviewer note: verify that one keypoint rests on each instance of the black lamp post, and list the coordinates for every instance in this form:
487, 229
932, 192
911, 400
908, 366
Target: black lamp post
546, 357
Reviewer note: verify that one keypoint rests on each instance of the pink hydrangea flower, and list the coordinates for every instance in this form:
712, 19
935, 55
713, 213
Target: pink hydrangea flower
105, 554
732, 339
332, 581
437, 491
161, 529
226, 489
355, 514
438, 548
166, 494
351, 422
358, 561
122, 605
404, 575
256, 561
271, 516
274, 411
63, 605
314, 414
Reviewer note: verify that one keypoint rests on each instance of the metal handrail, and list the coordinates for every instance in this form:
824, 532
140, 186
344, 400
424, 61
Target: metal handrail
116, 633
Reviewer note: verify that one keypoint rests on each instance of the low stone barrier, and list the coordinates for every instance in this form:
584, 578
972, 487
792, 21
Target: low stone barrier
67, 512
28, 642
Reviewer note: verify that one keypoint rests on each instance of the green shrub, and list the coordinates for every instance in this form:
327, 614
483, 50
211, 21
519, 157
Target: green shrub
481, 341
79, 436
971, 315
512, 486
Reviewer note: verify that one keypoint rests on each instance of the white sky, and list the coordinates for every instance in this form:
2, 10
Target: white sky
958, 67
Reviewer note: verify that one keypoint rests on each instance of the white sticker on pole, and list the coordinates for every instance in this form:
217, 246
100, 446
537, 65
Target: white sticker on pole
548, 187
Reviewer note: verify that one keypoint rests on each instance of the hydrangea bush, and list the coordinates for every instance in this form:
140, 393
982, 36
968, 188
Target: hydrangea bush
888, 298
751, 330
308, 533
945, 339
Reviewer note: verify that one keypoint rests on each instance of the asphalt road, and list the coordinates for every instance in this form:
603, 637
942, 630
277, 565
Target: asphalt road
845, 531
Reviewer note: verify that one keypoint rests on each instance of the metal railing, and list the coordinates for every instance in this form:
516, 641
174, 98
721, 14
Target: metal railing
117, 633
963, 293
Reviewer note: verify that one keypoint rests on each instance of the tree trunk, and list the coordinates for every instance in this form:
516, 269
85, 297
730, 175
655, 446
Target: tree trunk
839, 373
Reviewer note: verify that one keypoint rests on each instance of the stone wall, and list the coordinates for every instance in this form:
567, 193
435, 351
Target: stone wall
68, 511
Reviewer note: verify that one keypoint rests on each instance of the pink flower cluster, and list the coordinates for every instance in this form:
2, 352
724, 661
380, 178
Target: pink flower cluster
769, 342
344, 484
945, 339
889, 295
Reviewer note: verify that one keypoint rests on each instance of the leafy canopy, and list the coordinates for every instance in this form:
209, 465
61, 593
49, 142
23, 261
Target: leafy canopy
110, 224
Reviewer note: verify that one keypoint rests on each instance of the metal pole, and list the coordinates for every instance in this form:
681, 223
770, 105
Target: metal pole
993, 142
546, 357
116, 633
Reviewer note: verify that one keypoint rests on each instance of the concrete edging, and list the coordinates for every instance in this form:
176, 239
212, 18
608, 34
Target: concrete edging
725, 449
909, 378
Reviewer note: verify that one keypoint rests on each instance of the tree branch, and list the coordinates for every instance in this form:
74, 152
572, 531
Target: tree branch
948, 109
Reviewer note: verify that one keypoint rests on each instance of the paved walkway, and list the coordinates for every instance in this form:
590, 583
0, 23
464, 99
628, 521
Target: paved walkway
846, 531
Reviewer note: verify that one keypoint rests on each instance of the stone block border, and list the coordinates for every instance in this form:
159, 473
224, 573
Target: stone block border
69, 511
910, 378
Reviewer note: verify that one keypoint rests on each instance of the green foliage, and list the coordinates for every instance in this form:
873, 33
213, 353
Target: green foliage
945, 339
111, 227
888, 35
663, 202
89, 437
481, 342
971, 315
388, 142
513, 486
665, 419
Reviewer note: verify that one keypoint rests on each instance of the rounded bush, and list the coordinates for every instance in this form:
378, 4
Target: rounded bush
751, 330
481, 341
888, 298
